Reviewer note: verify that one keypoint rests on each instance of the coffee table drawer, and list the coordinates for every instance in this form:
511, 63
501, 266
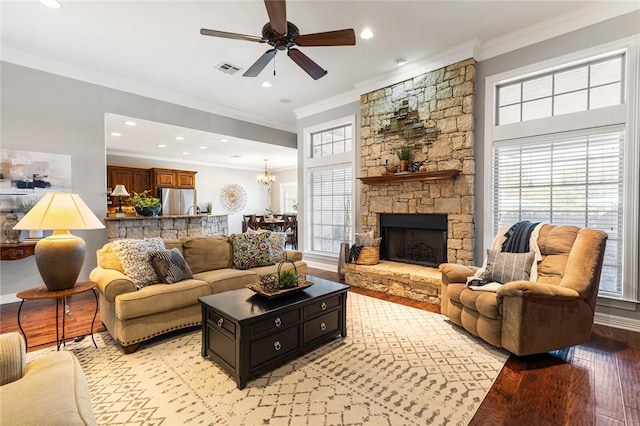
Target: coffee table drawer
275, 322
217, 320
320, 306
270, 347
321, 326
222, 346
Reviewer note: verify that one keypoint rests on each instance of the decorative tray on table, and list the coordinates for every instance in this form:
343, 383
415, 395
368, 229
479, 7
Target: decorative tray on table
258, 288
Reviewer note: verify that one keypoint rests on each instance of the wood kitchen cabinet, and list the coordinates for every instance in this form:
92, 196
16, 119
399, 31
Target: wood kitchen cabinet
132, 178
168, 178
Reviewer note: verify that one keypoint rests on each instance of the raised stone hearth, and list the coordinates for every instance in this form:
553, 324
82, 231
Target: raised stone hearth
400, 279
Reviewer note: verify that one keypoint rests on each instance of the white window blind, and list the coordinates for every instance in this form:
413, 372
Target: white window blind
574, 179
330, 195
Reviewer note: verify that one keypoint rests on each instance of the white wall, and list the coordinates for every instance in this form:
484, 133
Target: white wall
44, 112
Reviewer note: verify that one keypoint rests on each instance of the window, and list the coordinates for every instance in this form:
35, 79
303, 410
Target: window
561, 147
329, 186
594, 85
288, 197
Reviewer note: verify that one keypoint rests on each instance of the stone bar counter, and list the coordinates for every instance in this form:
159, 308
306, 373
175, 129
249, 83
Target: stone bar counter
166, 227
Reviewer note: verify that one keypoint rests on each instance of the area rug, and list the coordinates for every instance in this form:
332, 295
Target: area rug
397, 366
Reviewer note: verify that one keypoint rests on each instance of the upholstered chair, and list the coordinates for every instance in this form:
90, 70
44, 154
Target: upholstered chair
50, 390
552, 311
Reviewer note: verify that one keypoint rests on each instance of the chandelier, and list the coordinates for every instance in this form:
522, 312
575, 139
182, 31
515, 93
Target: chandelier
265, 179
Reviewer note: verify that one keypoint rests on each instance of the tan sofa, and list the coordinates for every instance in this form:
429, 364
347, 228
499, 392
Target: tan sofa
133, 316
51, 390
526, 317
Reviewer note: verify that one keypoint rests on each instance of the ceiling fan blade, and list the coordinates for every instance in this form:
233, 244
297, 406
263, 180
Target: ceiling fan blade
259, 65
235, 36
277, 11
329, 38
310, 67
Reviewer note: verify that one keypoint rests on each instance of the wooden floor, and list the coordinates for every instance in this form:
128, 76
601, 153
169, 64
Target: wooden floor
593, 384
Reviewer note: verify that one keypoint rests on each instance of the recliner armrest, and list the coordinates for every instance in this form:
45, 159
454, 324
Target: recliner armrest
111, 282
539, 290
13, 357
455, 273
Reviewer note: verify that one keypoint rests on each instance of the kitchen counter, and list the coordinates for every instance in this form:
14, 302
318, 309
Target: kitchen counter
167, 227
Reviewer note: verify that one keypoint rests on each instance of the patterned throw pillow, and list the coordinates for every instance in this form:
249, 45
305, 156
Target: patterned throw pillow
506, 267
170, 265
134, 257
277, 240
251, 250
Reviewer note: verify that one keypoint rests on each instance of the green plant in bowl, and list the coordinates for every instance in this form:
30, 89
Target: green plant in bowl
288, 279
144, 204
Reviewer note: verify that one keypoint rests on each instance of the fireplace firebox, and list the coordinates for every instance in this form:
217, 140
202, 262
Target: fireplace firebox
414, 238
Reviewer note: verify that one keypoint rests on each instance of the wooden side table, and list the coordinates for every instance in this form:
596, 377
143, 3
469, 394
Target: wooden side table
42, 292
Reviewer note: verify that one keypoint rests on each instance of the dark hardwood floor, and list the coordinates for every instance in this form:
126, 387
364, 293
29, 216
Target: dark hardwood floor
593, 384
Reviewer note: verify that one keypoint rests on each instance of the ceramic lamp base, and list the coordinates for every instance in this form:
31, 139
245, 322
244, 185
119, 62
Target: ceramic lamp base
59, 258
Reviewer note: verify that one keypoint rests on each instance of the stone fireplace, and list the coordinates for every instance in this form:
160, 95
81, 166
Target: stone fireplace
419, 239
432, 114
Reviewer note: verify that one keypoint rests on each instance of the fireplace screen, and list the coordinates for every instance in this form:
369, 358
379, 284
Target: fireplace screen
414, 238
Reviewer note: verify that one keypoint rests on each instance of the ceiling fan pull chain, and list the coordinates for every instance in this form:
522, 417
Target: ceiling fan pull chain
274, 65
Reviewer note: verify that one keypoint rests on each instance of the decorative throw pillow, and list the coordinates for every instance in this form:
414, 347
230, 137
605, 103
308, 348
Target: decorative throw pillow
134, 257
506, 267
364, 239
170, 266
251, 250
277, 240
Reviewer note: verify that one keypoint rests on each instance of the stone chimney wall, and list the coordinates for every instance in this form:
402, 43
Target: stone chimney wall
443, 98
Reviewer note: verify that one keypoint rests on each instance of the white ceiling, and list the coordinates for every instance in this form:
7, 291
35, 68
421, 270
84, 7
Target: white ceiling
154, 48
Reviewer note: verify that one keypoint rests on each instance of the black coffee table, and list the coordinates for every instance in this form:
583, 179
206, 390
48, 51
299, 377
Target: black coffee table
248, 334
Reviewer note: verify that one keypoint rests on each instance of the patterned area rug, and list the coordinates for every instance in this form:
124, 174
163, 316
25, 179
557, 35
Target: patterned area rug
398, 366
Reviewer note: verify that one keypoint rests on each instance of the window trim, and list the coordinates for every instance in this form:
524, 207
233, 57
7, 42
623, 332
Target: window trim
626, 113
309, 162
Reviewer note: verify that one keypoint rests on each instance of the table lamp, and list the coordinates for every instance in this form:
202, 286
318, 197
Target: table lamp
120, 191
60, 256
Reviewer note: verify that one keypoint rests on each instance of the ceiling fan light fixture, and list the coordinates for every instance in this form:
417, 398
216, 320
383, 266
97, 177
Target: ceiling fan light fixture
366, 34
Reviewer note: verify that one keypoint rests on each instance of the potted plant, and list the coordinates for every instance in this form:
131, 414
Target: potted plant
144, 204
404, 155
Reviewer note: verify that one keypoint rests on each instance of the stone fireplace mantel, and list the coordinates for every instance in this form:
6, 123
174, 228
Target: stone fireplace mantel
409, 177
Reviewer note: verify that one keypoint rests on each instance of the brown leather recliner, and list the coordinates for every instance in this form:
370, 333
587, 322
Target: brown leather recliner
525, 317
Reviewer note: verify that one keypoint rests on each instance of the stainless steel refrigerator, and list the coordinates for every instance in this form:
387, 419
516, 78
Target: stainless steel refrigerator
178, 201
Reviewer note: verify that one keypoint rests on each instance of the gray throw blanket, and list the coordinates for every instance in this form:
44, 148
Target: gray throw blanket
517, 237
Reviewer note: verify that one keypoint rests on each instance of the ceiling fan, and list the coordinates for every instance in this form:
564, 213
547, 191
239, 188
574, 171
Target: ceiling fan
283, 35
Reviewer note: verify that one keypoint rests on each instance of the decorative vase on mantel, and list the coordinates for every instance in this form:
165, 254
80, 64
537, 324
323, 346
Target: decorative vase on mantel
404, 165
12, 236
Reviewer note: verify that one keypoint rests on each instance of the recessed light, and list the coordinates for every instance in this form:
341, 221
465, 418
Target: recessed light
285, 100
53, 4
203, 147
266, 84
401, 61
235, 156
116, 134
366, 34
224, 140
160, 145
185, 153
179, 138
130, 123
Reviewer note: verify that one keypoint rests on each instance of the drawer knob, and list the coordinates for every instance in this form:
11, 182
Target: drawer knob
277, 346
323, 306
323, 326
220, 321
278, 322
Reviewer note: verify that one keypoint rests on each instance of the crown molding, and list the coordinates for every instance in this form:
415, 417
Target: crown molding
327, 104
555, 27
42, 63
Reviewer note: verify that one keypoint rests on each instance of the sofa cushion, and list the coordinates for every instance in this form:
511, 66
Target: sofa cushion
170, 266
134, 256
555, 243
204, 253
108, 258
227, 279
506, 267
277, 240
251, 250
160, 298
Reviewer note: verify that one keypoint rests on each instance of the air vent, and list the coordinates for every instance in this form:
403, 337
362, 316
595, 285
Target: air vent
227, 68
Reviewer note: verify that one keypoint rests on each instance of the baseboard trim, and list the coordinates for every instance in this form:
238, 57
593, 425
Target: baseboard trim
8, 298
321, 265
617, 322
